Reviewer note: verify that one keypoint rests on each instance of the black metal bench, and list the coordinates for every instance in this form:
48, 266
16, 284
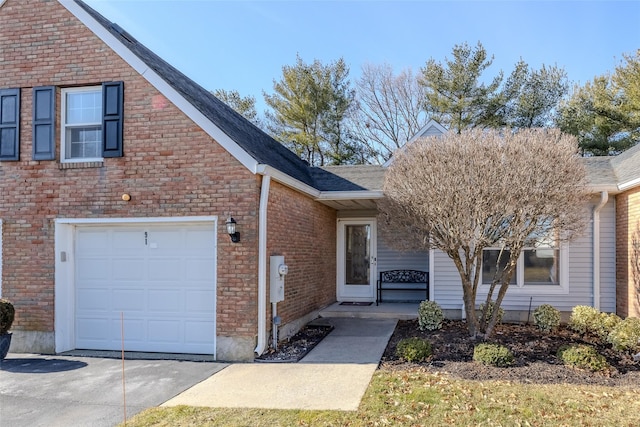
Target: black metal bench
398, 280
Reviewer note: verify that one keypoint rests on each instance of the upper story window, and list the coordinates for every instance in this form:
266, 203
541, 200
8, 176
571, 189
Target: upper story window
82, 124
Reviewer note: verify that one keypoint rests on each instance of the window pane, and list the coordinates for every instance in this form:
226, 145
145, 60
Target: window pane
84, 107
541, 266
83, 142
357, 249
489, 260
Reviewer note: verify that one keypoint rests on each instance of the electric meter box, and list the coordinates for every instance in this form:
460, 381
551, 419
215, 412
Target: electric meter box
277, 271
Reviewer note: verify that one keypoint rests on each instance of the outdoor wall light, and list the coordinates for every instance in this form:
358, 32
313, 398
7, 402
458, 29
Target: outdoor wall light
231, 229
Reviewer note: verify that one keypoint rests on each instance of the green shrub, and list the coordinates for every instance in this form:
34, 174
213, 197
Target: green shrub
546, 317
582, 357
625, 336
430, 316
490, 309
414, 349
583, 319
604, 324
7, 314
493, 354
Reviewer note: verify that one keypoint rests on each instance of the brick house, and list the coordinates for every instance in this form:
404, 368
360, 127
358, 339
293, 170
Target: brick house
118, 175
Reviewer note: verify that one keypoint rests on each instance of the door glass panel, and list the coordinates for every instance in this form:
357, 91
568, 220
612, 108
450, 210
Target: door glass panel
357, 251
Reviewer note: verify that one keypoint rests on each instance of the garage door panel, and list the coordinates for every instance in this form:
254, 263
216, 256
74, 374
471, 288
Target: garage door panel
166, 301
199, 269
199, 332
165, 288
135, 332
129, 300
165, 269
93, 268
164, 331
128, 269
94, 299
91, 329
129, 239
93, 242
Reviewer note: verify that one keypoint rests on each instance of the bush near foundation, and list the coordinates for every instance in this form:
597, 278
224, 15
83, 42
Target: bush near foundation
583, 357
430, 316
414, 349
546, 317
493, 354
583, 319
625, 336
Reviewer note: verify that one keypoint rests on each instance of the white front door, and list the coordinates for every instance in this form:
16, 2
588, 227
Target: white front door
356, 259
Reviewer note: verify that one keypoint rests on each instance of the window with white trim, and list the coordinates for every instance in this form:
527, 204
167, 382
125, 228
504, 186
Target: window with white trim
82, 124
538, 265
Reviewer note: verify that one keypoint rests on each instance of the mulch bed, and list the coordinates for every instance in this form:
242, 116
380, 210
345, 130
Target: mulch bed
296, 347
534, 351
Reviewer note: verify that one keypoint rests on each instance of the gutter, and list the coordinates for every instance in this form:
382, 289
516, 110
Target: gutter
604, 197
262, 265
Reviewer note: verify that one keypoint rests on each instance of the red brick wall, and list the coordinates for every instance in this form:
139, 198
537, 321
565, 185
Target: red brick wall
304, 231
627, 223
170, 168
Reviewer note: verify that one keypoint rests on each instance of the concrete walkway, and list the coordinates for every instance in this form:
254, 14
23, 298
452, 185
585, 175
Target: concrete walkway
333, 376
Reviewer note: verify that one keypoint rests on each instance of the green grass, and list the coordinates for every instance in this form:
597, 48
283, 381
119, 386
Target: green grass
415, 397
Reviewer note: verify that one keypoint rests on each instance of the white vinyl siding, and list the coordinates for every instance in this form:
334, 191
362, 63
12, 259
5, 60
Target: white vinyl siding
391, 259
579, 289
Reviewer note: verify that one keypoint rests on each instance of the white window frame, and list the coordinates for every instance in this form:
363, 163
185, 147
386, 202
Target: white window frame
521, 288
63, 127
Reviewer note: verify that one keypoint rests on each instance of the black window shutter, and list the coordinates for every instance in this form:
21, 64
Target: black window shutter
112, 117
9, 124
44, 108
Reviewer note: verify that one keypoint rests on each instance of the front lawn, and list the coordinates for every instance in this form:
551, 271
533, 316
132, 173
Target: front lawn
416, 397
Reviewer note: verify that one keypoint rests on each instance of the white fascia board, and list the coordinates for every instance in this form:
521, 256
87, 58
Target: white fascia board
629, 184
287, 180
163, 87
351, 195
611, 189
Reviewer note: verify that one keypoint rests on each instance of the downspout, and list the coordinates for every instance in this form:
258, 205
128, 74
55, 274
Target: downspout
604, 197
262, 266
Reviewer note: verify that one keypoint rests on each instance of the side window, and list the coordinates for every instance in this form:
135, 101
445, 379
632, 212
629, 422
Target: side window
9, 124
92, 122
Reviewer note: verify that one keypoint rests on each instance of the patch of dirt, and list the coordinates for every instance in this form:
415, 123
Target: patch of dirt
534, 351
296, 347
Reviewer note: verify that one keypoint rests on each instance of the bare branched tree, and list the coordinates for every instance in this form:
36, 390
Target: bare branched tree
389, 110
462, 193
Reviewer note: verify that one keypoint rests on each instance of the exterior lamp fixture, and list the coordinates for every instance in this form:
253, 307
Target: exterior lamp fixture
231, 229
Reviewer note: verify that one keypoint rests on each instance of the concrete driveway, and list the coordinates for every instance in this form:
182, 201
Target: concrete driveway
38, 390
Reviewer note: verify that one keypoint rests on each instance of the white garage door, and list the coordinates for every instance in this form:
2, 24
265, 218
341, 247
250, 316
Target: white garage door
159, 278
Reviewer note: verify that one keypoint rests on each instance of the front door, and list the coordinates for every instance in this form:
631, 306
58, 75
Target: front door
356, 259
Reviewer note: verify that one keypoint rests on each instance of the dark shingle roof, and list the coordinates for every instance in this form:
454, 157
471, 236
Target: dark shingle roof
263, 148
365, 177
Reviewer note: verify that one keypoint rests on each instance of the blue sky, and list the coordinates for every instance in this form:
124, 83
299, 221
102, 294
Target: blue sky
243, 45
